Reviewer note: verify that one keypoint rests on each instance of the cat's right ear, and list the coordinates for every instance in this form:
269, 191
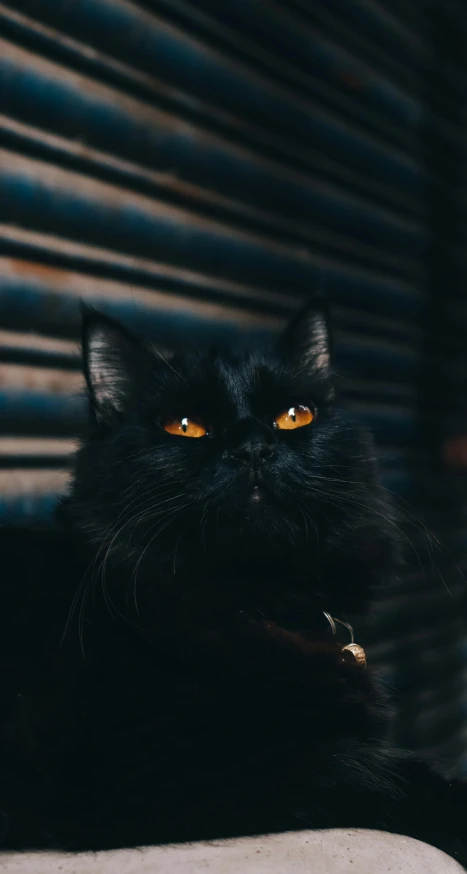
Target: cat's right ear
307, 338
111, 359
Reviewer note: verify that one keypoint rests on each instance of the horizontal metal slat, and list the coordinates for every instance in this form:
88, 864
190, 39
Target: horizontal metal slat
272, 26
389, 422
36, 453
377, 390
16, 347
130, 32
101, 66
409, 14
90, 114
29, 497
30, 142
403, 68
41, 447
359, 321
350, 31
55, 264
38, 196
266, 34
33, 252
22, 377
48, 298
39, 413
387, 97
51, 298
380, 28
389, 360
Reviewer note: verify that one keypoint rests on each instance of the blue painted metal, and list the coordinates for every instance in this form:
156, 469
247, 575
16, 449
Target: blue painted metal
146, 40
401, 66
40, 413
35, 200
32, 298
166, 144
274, 30
382, 28
24, 302
33, 510
32, 248
102, 66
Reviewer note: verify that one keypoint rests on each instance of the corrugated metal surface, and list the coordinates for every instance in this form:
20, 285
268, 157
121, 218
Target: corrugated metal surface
197, 167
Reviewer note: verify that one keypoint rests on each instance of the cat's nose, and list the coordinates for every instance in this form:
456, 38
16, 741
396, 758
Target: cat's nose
252, 454
250, 443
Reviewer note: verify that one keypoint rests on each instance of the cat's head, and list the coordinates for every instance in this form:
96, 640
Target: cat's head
229, 477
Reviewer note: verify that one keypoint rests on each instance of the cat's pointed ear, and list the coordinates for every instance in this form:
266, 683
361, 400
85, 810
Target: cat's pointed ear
111, 358
307, 338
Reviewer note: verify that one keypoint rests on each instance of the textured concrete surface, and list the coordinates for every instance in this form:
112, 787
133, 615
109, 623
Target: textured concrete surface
326, 852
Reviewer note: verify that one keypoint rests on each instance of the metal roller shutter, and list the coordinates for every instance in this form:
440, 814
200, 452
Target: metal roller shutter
196, 168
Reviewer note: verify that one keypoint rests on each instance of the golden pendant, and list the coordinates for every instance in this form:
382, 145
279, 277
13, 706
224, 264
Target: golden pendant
356, 652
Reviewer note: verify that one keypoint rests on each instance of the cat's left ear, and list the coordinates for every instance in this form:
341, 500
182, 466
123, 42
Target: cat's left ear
112, 359
307, 338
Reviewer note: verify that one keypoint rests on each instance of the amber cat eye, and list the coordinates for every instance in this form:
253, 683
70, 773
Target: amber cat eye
184, 427
295, 417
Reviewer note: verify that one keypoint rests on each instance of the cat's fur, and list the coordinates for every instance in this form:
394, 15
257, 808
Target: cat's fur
166, 670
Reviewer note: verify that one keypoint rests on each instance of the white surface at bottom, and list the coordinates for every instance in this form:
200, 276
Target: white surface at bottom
334, 851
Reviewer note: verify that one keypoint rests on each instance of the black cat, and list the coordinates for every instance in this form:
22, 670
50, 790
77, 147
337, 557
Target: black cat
167, 670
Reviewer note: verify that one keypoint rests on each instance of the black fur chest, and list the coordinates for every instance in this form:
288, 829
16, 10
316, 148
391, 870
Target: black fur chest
123, 728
